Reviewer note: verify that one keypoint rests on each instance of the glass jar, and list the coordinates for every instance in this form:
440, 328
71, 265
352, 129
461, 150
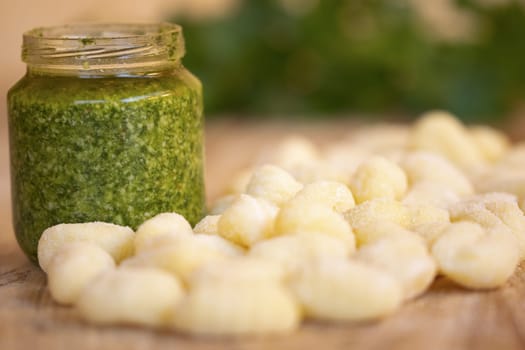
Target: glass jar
106, 125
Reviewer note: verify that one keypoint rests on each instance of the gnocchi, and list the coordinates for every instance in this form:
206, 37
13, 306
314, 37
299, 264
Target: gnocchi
273, 184
141, 296
432, 168
494, 213
182, 257
165, 224
335, 195
492, 144
291, 251
377, 210
474, 258
344, 233
223, 309
239, 270
114, 239
208, 225
378, 177
441, 133
73, 267
406, 259
248, 220
345, 290
431, 193
306, 217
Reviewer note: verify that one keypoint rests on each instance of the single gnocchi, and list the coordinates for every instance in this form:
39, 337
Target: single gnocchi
441, 133
208, 225
426, 167
431, 193
239, 309
248, 220
243, 270
165, 224
182, 257
495, 212
378, 177
291, 251
333, 194
309, 217
140, 296
492, 143
408, 260
377, 230
345, 290
377, 210
423, 216
114, 239
73, 267
273, 184
470, 256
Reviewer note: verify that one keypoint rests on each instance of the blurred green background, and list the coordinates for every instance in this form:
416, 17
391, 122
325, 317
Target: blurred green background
335, 57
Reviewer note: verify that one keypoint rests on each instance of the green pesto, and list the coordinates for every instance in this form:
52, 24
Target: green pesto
115, 149
87, 41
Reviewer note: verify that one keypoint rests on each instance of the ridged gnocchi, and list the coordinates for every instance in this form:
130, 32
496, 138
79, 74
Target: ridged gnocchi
248, 220
114, 239
475, 258
240, 309
345, 290
141, 296
73, 267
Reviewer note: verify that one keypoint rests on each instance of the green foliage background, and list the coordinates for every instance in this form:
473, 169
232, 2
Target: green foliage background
262, 60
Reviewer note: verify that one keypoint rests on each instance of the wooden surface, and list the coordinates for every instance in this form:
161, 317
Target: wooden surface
447, 317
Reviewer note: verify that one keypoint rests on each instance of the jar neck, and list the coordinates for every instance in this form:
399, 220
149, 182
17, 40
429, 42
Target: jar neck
103, 49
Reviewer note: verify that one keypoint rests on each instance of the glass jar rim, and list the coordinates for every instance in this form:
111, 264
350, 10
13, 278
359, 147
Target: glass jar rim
101, 31
102, 47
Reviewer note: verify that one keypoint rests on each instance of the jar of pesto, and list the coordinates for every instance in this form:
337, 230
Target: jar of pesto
106, 125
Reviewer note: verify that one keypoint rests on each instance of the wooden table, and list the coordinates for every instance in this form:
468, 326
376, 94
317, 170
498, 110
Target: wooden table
447, 317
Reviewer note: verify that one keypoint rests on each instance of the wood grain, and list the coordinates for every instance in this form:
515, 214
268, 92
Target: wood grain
447, 317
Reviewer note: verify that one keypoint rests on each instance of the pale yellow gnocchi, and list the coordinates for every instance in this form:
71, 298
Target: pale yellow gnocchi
208, 225
378, 177
472, 257
427, 167
440, 132
291, 251
408, 260
238, 309
182, 257
377, 210
310, 217
345, 290
248, 220
165, 224
73, 267
114, 239
348, 232
333, 194
142, 296
273, 184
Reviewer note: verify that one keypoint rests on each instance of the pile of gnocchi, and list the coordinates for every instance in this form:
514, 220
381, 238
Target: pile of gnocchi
345, 233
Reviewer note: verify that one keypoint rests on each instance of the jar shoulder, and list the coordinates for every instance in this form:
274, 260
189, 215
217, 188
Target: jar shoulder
62, 89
